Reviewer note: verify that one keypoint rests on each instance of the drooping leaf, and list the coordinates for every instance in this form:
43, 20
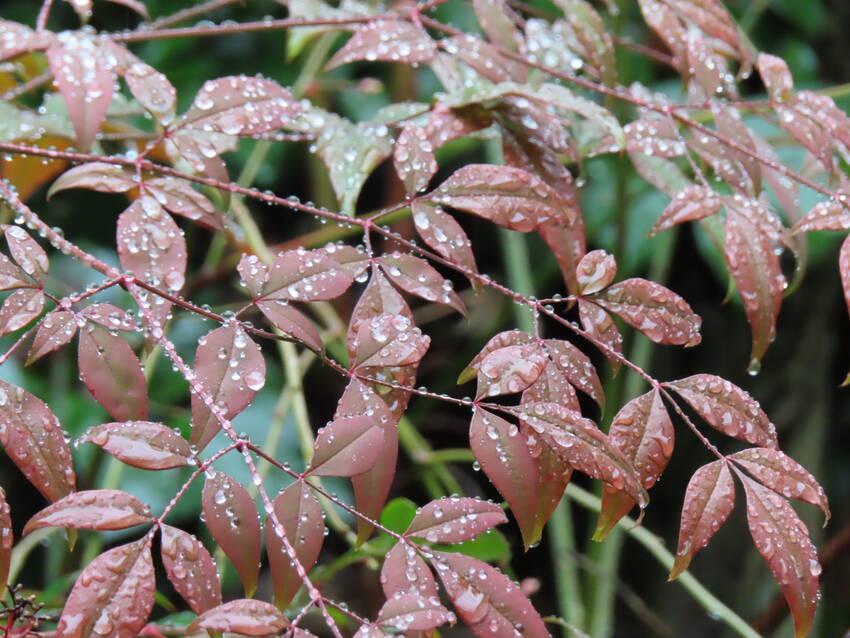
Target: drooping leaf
727, 408
19, 309
441, 232
412, 612
413, 158
7, 540
27, 253
775, 76
191, 569
231, 516
11, 275
387, 40
304, 275
455, 519
92, 509
112, 373
418, 277
152, 90
347, 446
709, 498
178, 197
595, 271
301, 518
246, 617
601, 327
143, 444
389, 340
291, 322
96, 176
404, 571
510, 369
690, 204
231, 369
56, 329
113, 596
33, 439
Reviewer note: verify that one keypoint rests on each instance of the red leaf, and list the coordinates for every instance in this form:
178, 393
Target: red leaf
783, 540
305, 275
149, 446
372, 488
389, 340
113, 596
507, 196
530, 477
595, 271
27, 253
510, 369
347, 446
455, 519
190, 569
34, 441
727, 408
783, 475
370, 631
405, 572
601, 327
828, 215
775, 75
96, 176
552, 386
178, 197
656, 311
231, 516
353, 260
446, 124
441, 232
690, 204
412, 612
498, 341
291, 322
488, 602
16, 39
577, 367
19, 309
413, 158
253, 273
484, 58
593, 40
109, 316
231, 369
11, 276
709, 499
112, 373
92, 509
6, 539
387, 40
418, 277
657, 137
300, 515
247, 617
152, 90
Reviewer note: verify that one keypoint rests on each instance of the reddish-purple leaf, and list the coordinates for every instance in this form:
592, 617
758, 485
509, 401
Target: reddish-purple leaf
370, 631
34, 441
601, 327
27, 253
93, 509
201, 149
85, 80
96, 176
552, 386
690, 204
150, 446
19, 309
152, 90
300, 516
389, 340
247, 617
372, 488
441, 232
594, 41
498, 341
191, 569
231, 516
379, 298
412, 612
405, 572
775, 76
484, 58
455, 519
387, 40
657, 137
353, 259
231, 369
727, 408
530, 477
595, 271
241, 105
178, 197
489, 602
577, 367
16, 39
446, 124
707, 68
828, 215
11, 276
112, 373
510, 369
709, 498
6, 539
113, 595
418, 277
783, 475
253, 273
507, 196
499, 23
656, 311
291, 322
347, 446
783, 540
109, 316
305, 275
413, 158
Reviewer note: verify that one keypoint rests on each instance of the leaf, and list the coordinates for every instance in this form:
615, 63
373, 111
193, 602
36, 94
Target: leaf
191, 569
152, 90
109, 316
412, 612
246, 617
92, 509
595, 271
510, 369
844, 269
19, 309
783, 540
302, 521
485, 599
498, 22
33, 439
352, 259
405, 572
576, 367
291, 322
418, 277
709, 498
178, 197
690, 204
112, 373
597, 47
484, 58
455, 519
782, 474
11, 276
658, 312
828, 215
96, 176
658, 137
602, 328
561, 97
142, 444
304, 275
231, 369
507, 196
413, 158
530, 477
16, 39
372, 488
7, 540
727, 408
552, 386
498, 341
441, 232
775, 76
27, 253
387, 40
231, 516
389, 340
379, 298
113, 596
347, 446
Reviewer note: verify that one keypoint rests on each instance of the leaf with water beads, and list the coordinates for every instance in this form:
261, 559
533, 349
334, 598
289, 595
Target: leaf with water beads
11, 275
404, 571
302, 521
6, 539
595, 43
142, 444
577, 367
828, 215
19, 309
441, 232
389, 340
347, 446
231, 516
455, 519
16, 39
707, 69
387, 40
113, 596
413, 158
109, 316
489, 602
658, 137
92, 509
418, 277
498, 341
152, 90
775, 76
499, 22
370, 631
191, 569
246, 617
412, 612
552, 386
305, 275
33, 439
690, 204
372, 488
178, 197
96, 176
510, 369
253, 273
483, 58
27, 253
291, 322
599, 325
595, 271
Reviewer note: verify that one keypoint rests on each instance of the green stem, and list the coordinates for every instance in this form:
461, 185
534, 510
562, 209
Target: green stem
561, 534
23, 548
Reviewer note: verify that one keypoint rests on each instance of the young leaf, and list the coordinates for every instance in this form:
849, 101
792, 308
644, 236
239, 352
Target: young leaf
33, 439
291, 322
112, 373
142, 444
19, 309
27, 253
389, 340
300, 514
595, 271
305, 275
441, 232
347, 446
510, 369
246, 617
455, 519
113, 595
96, 176
709, 498
727, 408
413, 158
690, 204
152, 90
486, 600
405, 572
231, 369
178, 197
387, 40
412, 612
92, 509
418, 277
56, 329
191, 569
379, 298
6, 538
232, 519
